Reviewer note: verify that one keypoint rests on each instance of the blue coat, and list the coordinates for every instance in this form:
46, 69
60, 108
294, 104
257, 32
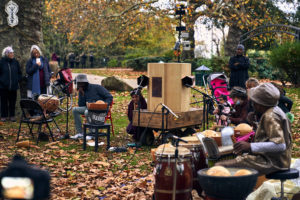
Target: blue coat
31, 69
10, 73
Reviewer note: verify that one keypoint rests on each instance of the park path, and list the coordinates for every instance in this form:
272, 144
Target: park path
94, 79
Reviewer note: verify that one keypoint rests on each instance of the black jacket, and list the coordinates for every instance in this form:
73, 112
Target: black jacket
10, 73
31, 69
239, 73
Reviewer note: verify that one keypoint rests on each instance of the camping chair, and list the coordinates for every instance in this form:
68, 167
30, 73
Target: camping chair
28, 107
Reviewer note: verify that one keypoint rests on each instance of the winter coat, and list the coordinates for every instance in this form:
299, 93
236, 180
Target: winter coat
239, 73
31, 69
94, 93
10, 73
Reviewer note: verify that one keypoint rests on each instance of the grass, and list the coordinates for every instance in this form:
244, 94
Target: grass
69, 162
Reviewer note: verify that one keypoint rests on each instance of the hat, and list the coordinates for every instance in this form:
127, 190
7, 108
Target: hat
135, 91
81, 78
7, 50
265, 94
37, 48
238, 92
240, 46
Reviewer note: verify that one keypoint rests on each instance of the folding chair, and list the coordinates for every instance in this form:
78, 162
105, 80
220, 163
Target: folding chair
32, 113
108, 117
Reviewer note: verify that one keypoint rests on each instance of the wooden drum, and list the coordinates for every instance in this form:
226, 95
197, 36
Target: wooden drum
48, 102
198, 158
164, 173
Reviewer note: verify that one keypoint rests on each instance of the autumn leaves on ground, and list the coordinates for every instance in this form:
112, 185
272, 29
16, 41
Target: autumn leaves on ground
78, 174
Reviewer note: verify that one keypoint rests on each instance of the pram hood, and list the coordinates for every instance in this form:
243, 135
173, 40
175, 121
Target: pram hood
216, 75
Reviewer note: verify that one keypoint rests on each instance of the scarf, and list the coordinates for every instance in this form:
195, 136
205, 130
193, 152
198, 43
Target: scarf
36, 77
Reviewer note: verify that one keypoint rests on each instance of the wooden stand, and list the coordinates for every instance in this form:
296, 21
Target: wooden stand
165, 86
189, 118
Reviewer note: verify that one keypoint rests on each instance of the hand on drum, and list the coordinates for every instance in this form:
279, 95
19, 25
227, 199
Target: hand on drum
241, 147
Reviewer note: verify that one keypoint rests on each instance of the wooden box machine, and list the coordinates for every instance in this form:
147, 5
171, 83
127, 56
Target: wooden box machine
165, 87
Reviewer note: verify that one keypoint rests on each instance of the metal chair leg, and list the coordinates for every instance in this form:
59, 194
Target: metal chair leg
19, 130
50, 131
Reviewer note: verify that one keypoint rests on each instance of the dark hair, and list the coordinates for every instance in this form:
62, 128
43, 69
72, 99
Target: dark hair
238, 92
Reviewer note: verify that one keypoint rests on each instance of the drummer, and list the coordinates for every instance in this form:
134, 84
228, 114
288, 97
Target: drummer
88, 93
271, 149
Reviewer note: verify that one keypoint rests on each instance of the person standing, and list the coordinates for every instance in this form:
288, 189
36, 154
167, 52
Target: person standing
83, 60
38, 70
72, 59
10, 75
92, 60
54, 57
77, 60
239, 65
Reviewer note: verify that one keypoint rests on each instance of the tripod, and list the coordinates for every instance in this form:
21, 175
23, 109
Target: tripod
66, 87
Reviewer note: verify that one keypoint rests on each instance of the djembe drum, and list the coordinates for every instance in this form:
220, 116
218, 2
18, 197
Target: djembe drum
164, 173
49, 103
198, 158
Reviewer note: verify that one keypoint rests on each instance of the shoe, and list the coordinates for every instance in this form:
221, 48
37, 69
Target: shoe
12, 119
89, 137
77, 136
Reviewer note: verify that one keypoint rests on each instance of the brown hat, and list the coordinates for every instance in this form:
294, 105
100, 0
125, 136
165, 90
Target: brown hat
265, 94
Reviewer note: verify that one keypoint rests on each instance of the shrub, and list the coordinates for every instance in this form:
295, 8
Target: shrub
287, 58
140, 64
113, 63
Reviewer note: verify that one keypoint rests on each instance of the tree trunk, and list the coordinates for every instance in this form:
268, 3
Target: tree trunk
26, 33
232, 41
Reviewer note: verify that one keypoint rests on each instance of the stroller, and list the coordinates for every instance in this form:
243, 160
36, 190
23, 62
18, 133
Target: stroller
218, 84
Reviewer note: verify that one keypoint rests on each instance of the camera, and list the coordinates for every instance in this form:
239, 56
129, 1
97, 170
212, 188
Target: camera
22, 181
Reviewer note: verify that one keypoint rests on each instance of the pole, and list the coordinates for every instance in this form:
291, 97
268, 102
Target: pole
175, 171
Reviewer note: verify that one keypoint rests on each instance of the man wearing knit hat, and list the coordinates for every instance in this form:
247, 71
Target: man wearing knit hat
271, 149
239, 65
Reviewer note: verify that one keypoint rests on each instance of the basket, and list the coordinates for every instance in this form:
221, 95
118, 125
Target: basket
96, 117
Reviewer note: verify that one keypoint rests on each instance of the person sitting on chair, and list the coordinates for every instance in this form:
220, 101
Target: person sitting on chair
137, 99
88, 93
240, 99
271, 149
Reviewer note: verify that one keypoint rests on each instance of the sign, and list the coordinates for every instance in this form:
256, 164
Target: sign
11, 8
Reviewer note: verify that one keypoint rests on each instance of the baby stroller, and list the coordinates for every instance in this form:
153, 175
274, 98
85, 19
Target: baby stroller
218, 84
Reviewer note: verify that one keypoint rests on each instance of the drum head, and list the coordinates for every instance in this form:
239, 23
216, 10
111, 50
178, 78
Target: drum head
192, 141
167, 150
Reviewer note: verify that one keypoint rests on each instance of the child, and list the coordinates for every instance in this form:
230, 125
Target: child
222, 111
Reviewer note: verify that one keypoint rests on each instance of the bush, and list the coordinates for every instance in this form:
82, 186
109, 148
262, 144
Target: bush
140, 64
113, 63
287, 58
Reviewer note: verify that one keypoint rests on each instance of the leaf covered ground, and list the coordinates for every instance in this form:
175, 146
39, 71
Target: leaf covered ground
78, 174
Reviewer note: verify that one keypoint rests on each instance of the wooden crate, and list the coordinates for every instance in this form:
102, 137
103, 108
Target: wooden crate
188, 118
165, 86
